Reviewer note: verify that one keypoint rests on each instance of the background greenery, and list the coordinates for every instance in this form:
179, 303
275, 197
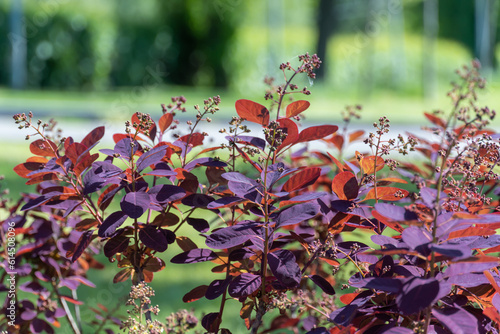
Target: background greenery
91, 63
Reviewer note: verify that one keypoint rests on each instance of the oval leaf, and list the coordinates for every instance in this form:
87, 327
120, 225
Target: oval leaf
252, 111
244, 285
302, 179
316, 132
295, 108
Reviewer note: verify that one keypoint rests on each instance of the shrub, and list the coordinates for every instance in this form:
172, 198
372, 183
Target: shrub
275, 234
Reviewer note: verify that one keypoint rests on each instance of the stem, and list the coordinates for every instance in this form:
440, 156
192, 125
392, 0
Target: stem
69, 317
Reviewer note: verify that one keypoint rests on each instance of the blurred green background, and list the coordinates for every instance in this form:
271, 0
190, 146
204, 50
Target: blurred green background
89, 63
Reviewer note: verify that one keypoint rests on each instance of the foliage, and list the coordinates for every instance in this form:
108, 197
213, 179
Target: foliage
275, 233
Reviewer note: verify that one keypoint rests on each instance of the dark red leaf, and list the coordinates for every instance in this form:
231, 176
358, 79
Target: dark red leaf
195, 294
154, 238
302, 179
211, 322
115, 245
323, 284
123, 275
252, 112
93, 137
80, 246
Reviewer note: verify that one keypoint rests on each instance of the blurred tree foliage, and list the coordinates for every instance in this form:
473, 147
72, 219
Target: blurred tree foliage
141, 43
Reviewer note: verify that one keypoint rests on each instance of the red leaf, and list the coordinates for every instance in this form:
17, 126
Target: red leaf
185, 243
165, 121
151, 130
471, 231
316, 132
195, 139
368, 164
119, 136
195, 294
122, 275
435, 120
355, 135
25, 168
302, 179
290, 128
337, 141
44, 148
252, 111
345, 186
84, 163
387, 193
71, 300
295, 108
74, 151
40, 178
93, 137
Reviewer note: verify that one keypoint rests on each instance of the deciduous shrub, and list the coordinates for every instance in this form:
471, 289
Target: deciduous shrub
276, 233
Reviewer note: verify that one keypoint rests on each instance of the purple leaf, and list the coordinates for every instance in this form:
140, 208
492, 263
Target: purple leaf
153, 238
39, 325
111, 223
469, 280
197, 200
244, 285
395, 212
387, 284
397, 330
217, 288
200, 225
457, 320
249, 140
323, 284
150, 157
165, 193
134, 204
225, 201
232, 235
319, 330
344, 315
414, 236
417, 294
284, 267
383, 240
194, 256
206, 161
297, 214
126, 148
496, 301
451, 250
